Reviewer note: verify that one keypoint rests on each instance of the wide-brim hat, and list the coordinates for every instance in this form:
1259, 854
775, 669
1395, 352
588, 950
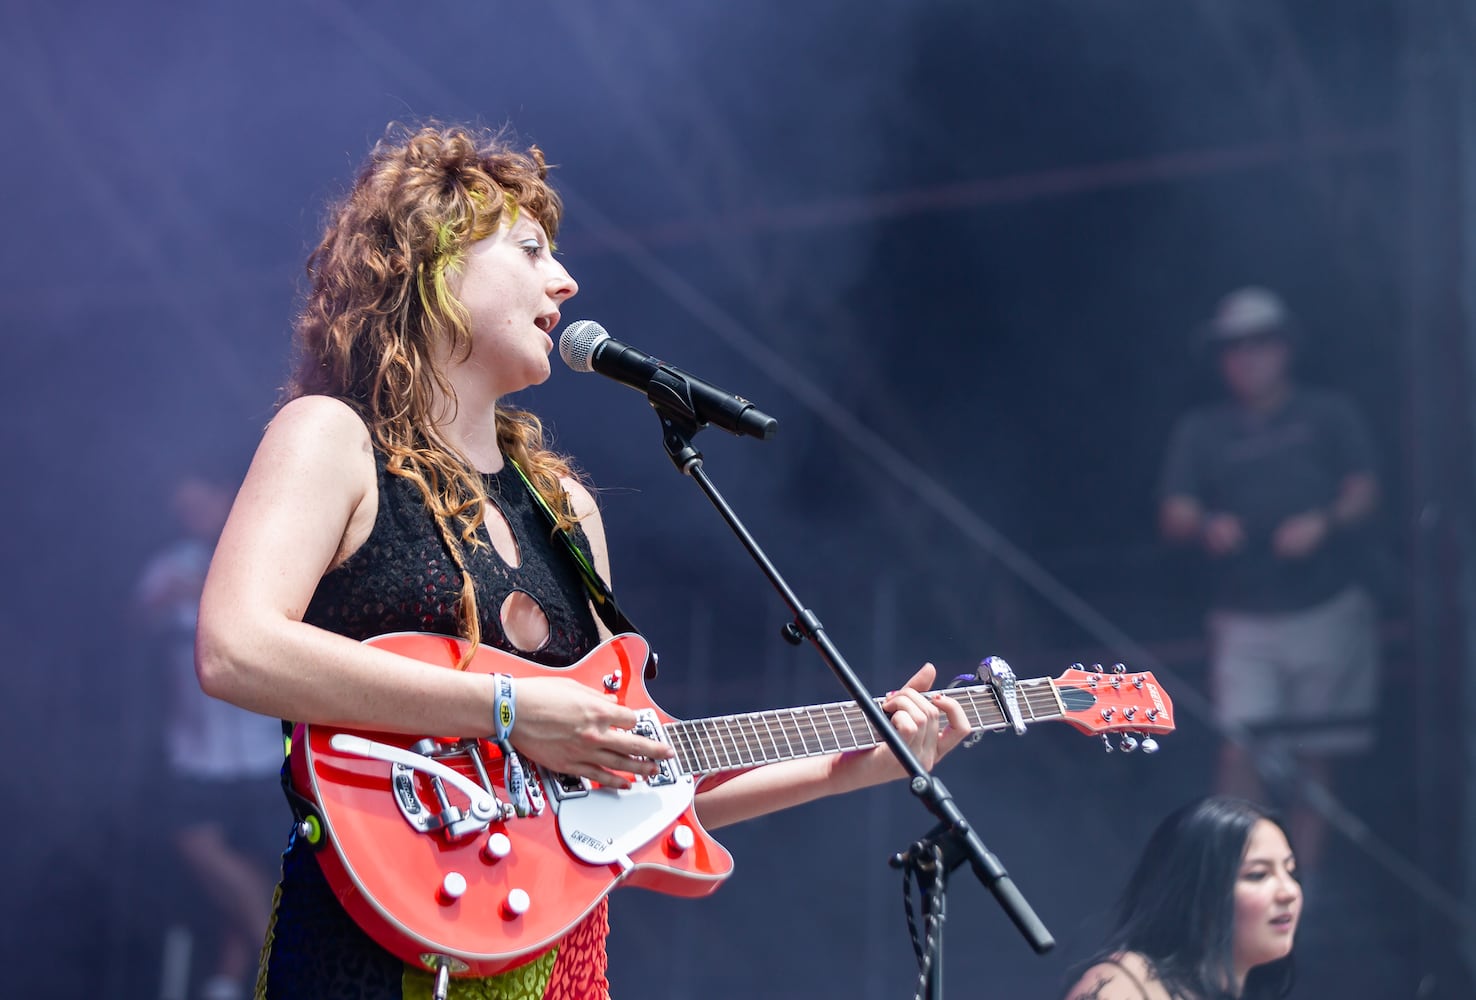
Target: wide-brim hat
1250, 313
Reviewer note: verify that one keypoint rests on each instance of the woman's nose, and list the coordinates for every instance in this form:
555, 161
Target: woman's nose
562, 285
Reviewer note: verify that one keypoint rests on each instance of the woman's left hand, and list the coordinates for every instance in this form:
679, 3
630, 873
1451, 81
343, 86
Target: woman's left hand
918, 714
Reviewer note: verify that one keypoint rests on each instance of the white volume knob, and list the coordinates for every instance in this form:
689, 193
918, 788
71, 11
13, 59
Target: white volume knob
453, 886
497, 847
517, 902
682, 838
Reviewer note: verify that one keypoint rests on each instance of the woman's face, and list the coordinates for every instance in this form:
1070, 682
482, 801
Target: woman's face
1268, 899
512, 287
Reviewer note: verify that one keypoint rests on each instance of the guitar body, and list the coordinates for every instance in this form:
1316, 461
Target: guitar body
429, 877
457, 858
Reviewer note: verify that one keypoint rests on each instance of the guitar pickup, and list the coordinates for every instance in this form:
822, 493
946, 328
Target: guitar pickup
570, 786
566, 786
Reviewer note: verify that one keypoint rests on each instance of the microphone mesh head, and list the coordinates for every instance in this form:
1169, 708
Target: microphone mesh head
577, 345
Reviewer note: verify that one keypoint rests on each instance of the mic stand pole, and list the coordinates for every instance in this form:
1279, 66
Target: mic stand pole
953, 839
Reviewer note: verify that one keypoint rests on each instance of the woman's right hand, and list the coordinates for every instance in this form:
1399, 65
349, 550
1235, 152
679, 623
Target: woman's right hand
572, 729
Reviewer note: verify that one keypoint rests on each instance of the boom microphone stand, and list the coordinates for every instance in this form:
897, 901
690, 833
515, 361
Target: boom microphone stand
953, 841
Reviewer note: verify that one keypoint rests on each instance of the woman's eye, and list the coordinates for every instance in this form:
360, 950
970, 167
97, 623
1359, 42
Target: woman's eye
531, 247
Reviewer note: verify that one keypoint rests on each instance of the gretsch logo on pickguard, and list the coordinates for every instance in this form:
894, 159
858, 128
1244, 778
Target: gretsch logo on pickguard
581, 837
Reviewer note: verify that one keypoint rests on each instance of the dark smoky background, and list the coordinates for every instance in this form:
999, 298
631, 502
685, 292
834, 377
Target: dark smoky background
958, 249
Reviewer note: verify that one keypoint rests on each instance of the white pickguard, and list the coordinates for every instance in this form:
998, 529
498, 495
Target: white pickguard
604, 826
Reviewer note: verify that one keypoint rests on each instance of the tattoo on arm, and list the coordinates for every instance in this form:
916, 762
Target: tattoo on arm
1096, 991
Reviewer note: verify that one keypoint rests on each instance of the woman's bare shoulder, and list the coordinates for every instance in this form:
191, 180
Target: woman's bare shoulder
1125, 976
320, 413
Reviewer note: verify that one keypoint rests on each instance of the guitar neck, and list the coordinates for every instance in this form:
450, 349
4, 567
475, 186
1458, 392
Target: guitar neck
734, 742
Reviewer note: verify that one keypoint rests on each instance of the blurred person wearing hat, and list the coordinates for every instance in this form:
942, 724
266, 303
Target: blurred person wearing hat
1276, 485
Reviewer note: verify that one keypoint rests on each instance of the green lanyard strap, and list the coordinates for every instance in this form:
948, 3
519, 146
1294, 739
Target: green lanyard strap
604, 601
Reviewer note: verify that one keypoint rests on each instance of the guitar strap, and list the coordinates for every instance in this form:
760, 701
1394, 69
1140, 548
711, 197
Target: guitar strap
604, 601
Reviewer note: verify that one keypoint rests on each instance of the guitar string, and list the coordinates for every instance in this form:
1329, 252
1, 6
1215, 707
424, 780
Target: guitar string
700, 747
1039, 702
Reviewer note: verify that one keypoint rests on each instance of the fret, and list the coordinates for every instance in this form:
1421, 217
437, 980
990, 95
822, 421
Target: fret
976, 717
692, 735
1025, 700
743, 730
677, 734
731, 744
846, 718
749, 728
788, 751
834, 744
719, 755
819, 740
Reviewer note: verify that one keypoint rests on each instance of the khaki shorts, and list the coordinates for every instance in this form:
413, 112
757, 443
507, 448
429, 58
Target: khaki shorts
1309, 678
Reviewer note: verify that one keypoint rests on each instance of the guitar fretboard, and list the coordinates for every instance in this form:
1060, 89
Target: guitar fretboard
731, 742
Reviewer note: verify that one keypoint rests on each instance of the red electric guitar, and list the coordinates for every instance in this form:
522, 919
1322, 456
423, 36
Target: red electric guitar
455, 858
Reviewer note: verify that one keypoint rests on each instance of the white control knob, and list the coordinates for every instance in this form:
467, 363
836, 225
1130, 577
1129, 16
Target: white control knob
516, 904
497, 847
453, 887
682, 838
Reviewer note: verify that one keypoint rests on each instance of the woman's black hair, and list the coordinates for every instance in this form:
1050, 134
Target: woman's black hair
1178, 908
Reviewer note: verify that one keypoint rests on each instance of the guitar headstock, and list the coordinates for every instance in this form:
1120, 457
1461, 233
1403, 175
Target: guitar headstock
1112, 700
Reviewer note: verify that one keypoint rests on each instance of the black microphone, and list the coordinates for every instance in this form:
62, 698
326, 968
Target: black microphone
586, 347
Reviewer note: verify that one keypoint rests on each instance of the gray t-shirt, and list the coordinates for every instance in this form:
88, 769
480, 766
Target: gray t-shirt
1264, 469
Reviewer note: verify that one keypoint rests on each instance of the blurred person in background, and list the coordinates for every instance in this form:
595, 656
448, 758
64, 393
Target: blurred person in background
1276, 486
397, 489
223, 791
1210, 911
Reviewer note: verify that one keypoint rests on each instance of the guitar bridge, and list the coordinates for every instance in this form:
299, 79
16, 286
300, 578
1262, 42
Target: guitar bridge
453, 821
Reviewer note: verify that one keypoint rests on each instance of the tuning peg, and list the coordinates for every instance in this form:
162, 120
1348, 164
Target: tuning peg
1107, 744
1150, 745
1119, 668
1129, 743
1097, 667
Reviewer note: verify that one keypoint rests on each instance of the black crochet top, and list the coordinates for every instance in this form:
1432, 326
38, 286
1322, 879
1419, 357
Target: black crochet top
403, 579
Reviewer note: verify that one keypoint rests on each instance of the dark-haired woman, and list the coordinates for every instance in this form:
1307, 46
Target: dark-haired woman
1210, 912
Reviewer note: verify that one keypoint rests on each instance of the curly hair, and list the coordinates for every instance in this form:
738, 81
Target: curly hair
378, 307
